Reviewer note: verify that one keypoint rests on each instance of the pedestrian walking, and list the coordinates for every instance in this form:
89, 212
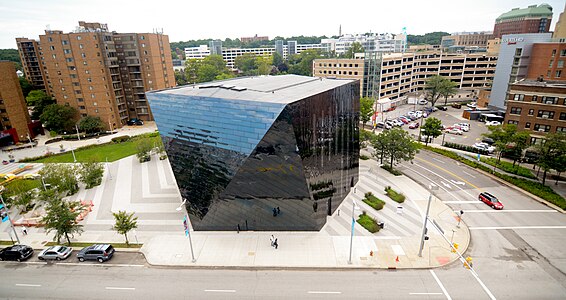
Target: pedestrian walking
24, 230
238, 227
274, 212
278, 210
272, 240
275, 244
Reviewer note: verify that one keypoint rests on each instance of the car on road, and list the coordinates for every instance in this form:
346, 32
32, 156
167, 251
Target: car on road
55, 252
443, 108
456, 105
16, 252
135, 121
405, 119
492, 123
472, 105
454, 130
422, 102
484, 146
414, 125
490, 200
99, 252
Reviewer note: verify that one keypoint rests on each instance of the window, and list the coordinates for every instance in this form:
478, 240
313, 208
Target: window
558, 73
519, 97
551, 63
50, 39
54, 56
553, 52
528, 125
563, 52
52, 47
80, 100
513, 122
143, 45
545, 114
562, 116
92, 95
549, 100
560, 64
82, 107
515, 110
79, 37
142, 37
534, 99
542, 128
518, 51
65, 42
69, 59
67, 51
83, 55
560, 129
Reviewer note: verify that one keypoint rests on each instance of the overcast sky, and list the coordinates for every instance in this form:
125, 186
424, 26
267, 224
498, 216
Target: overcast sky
196, 19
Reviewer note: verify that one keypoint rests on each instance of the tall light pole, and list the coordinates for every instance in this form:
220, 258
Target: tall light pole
352, 233
187, 228
73, 151
8, 214
78, 136
432, 187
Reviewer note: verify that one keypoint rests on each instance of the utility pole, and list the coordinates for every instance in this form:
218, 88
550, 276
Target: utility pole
8, 215
432, 187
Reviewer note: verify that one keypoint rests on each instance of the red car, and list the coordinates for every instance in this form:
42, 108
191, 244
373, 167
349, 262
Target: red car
490, 200
414, 125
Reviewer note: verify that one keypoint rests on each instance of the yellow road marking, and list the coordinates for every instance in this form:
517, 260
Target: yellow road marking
441, 168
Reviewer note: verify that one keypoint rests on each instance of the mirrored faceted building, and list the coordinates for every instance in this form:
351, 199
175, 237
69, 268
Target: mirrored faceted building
261, 153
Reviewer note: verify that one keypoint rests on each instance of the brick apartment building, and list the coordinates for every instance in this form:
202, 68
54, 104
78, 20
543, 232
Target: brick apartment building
103, 73
33, 69
533, 19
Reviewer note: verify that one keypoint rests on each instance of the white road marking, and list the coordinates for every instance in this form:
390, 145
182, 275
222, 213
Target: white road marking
425, 177
441, 285
469, 174
461, 202
457, 182
509, 210
444, 178
425, 293
323, 292
516, 227
26, 284
438, 160
120, 288
446, 184
221, 291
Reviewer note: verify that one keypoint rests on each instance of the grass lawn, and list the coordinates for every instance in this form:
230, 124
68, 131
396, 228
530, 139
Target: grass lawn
82, 245
20, 185
508, 167
374, 202
368, 223
112, 151
393, 194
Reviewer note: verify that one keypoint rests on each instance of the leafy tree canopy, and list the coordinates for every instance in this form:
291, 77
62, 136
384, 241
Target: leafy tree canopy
91, 124
59, 118
431, 38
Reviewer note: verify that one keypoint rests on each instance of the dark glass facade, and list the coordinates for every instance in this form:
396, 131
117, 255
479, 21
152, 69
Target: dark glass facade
235, 160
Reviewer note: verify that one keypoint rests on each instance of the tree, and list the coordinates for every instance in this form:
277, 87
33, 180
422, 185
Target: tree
366, 109
180, 77
26, 86
263, 65
434, 86
39, 100
61, 176
551, 152
61, 217
23, 195
91, 174
246, 64
301, 64
144, 147
366, 137
520, 141
502, 135
354, 48
191, 70
431, 128
90, 124
277, 59
447, 89
59, 118
396, 145
125, 222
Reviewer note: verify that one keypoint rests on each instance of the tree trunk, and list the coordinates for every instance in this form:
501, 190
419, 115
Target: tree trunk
391, 161
445, 101
557, 177
68, 239
126, 236
544, 177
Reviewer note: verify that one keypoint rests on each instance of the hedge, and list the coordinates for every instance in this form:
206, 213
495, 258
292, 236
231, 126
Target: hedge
465, 148
509, 168
391, 170
393, 194
364, 157
368, 223
373, 201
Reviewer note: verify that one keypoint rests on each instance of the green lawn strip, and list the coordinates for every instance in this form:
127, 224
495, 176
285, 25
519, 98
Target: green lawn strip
82, 244
99, 153
533, 187
393, 194
391, 170
368, 223
373, 201
508, 167
20, 185
364, 157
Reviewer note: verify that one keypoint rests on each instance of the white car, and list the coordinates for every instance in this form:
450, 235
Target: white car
423, 102
462, 127
492, 123
419, 113
454, 131
484, 146
472, 105
55, 252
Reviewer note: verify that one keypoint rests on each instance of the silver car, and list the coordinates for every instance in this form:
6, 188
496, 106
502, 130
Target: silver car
55, 252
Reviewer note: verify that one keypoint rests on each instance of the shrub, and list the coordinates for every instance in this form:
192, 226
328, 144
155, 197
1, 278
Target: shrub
465, 148
368, 223
393, 194
391, 170
364, 157
121, 139
509, 168
52, 133
373, 201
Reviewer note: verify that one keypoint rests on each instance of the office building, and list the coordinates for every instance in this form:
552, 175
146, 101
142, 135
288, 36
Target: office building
30, 58
547, 61
215, 47
384, 42
279, 47
245, 149
467, 39
15, 122
560, 28
254, 39
533, 19
103, 73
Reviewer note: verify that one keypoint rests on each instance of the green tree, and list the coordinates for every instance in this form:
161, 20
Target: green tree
520, 141
263, 65
180, 77
551, 151
11, 55
431, 128
434, 86
191, 70
366, 137
301, 64
277, 59
91, 174
61, 176
144, 147
447, 89
124, 223
354, 48
23, 197
59, 118
39, 100
366, 109
431, 38
90, 124
61, 217
246, 63
396, 145
502, 135
26, 86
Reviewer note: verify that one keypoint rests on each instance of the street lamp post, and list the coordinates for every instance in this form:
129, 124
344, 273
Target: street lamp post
352, 233
8, 214
432, 187
187, 229
73, 151
78, 135
443, 135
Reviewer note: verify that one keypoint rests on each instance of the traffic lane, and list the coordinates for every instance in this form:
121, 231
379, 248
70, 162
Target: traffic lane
119, 258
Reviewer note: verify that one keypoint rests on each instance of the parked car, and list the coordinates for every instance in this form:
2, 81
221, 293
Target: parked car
55, 252
99, 252
405, 120
16, 252
135, 121
488, 141
472, 105
454, 131
32, 176
492, 123
414, 125
456, 105
461, 127
422, 102
484, 146
443, 108
490, 200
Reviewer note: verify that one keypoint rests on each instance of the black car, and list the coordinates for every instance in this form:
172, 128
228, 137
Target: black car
16, 252
443, 108
135, 121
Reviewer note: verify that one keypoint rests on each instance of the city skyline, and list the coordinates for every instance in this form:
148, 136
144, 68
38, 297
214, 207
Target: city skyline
31, 18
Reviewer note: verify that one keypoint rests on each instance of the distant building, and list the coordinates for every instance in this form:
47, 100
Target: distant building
533, 19
467, 39
254, 39
292, 48
279, 47
103, 73
560, 28
547, 62
215, 47
384, 42
31, 63
268, 153
493, 46
15, 122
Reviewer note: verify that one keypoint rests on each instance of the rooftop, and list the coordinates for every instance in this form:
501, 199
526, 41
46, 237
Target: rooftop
273, 89
543, 10
547, 83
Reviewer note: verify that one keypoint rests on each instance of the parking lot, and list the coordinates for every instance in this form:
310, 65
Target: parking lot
448, 118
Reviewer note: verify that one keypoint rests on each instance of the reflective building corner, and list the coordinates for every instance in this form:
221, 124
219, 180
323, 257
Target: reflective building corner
261, 153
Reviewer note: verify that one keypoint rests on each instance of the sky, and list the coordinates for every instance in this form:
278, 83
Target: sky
220, 19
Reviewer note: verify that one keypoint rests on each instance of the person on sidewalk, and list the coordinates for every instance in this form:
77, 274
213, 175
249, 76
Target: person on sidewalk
278, 210
274, 212
24, 230
275, 244
272, 240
